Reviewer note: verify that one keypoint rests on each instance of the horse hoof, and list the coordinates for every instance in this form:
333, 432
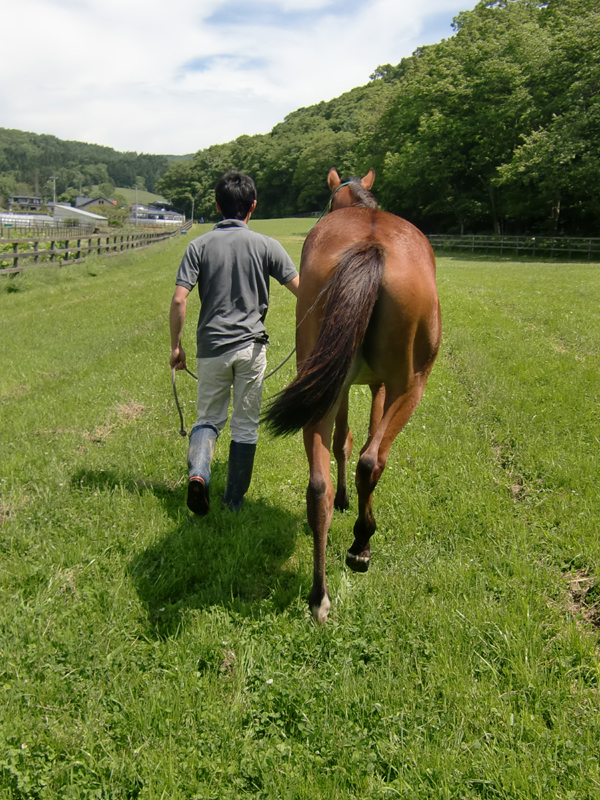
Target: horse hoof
341, 503
320, 611
358, 563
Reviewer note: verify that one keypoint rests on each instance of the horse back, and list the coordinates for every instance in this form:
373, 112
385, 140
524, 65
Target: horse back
404, 333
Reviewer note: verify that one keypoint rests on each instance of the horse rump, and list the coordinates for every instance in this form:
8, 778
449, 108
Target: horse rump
352, 295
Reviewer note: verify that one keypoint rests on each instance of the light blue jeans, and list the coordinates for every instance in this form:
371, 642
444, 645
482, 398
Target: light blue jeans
243, 371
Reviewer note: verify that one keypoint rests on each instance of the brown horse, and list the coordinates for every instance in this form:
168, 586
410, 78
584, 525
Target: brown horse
368, 313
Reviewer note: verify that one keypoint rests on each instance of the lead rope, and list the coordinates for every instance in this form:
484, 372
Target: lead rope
182, 430
285, 360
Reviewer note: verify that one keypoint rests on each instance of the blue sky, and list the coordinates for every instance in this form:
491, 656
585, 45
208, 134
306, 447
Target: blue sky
173, 77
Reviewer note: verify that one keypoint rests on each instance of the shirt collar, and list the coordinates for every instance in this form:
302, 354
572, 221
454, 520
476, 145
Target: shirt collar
231, 223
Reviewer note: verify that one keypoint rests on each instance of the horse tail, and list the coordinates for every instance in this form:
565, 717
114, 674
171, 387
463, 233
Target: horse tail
320, 380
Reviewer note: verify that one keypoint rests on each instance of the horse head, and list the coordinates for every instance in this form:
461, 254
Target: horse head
351, 191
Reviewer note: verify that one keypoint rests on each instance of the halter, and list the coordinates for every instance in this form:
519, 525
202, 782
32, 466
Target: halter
327, 208
341, 186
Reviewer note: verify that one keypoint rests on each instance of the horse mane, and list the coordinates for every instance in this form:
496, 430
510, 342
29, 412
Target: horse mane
363, 196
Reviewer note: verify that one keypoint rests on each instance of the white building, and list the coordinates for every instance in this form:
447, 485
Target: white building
25, 220
62, 212
154, 214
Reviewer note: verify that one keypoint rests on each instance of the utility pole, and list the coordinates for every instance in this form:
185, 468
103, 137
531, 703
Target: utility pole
136, 203
53, 179
192, 210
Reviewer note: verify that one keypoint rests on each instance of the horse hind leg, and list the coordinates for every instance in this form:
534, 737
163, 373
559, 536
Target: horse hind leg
342, 450
372, 461
319, 506
358, 557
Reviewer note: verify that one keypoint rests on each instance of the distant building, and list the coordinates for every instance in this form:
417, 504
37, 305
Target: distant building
85, 202
62, 212
25, 202
25, 220
155, 214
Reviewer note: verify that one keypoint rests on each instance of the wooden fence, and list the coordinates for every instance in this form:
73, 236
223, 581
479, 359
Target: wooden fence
586, 249
58, 249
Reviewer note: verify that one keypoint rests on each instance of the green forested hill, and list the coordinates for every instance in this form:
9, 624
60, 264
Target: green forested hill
30, 159
289, 164
496, 128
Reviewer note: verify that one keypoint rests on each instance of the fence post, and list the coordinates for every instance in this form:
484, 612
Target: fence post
16, 250
52, 249
35, 250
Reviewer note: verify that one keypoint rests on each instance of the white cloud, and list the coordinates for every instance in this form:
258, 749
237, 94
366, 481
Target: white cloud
173, 77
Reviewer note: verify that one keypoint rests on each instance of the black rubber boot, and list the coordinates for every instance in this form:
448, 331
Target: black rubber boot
197, 496
239, 474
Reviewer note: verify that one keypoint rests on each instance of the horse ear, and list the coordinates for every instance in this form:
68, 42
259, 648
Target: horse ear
333, 179
368, 180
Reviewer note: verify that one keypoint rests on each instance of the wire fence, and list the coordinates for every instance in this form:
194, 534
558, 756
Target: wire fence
582, 248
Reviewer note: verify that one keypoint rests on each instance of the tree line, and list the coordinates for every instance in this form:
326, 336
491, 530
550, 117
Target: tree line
495, 129
28, 160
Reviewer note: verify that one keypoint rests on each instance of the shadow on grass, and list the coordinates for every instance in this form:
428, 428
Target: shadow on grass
235, 561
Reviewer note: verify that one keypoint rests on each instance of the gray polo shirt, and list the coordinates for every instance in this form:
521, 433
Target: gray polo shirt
232, 265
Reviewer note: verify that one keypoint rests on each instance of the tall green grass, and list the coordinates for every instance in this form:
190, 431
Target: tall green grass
148, 654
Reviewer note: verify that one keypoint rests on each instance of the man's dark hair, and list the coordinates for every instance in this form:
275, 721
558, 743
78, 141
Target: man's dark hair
235, 193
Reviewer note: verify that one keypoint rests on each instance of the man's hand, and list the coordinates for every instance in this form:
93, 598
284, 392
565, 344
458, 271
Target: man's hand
177, 360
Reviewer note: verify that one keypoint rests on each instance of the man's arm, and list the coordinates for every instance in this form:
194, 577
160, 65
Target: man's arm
176, 320
293, 285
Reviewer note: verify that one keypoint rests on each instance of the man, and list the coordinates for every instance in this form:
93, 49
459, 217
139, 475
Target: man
231, 265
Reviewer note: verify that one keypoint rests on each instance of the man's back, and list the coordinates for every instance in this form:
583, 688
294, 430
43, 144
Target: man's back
232, 265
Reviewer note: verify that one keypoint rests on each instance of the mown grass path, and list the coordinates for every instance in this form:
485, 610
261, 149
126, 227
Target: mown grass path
146, 654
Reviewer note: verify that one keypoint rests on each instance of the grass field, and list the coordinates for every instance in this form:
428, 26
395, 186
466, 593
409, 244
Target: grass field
148, 654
